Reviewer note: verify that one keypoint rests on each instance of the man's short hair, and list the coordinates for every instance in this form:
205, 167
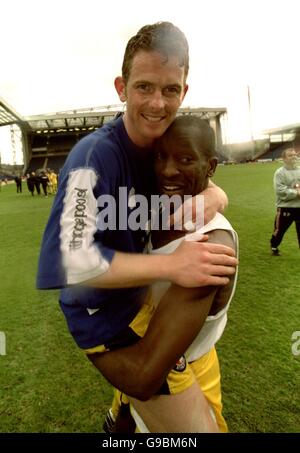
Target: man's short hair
195, 131
162, 37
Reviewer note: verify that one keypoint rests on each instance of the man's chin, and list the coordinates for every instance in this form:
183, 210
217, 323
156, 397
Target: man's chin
156, 129
171, 193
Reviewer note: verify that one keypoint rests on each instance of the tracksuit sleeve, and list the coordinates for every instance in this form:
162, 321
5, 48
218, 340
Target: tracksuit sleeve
82, 258
282, 189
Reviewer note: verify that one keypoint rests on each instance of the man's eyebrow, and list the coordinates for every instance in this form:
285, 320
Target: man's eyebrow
143, 81
174, 85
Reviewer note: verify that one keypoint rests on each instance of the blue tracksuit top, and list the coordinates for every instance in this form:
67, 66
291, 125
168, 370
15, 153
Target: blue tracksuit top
75, 247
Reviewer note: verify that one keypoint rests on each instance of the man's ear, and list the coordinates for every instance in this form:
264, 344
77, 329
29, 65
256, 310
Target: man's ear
120, 87
186, 87
212, 165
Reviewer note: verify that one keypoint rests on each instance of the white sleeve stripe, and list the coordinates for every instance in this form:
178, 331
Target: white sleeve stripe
81, 258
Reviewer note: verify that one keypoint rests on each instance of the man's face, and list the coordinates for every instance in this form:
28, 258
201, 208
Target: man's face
154, 92
180, 169
297, 150
290, 158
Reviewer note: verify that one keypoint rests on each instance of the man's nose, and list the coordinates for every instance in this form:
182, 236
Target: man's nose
157, 100
170, 168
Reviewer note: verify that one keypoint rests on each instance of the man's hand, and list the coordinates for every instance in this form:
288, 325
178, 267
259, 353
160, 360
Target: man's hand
215, 200
200, 209
202, 264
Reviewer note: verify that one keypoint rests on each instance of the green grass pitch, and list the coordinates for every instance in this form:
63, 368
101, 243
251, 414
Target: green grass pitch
46, 383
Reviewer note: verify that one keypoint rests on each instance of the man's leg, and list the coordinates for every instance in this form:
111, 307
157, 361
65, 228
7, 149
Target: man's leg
207, 372
185, 412
297, 223
141, 369
182, 407
118, 418
283, 221
185, 409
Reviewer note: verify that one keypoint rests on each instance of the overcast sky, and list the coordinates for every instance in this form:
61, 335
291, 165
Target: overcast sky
65, 54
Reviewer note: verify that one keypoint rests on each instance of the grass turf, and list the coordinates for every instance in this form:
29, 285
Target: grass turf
46, 383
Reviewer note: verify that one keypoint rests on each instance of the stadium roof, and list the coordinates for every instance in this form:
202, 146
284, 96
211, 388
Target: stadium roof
288, 129
88, 118
72, 119
95, 117
8, 115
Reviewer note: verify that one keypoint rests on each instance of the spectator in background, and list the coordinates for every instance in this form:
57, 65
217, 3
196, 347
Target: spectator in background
44, 181
30, 183
18, 181
52, 181
37, 182
49, 188
287, 190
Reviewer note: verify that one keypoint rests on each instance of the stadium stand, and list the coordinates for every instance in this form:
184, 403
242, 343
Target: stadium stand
275, 151
47, 139
36, 163
280, 138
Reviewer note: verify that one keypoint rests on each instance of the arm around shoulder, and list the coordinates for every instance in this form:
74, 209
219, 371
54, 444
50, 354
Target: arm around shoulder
220, 194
